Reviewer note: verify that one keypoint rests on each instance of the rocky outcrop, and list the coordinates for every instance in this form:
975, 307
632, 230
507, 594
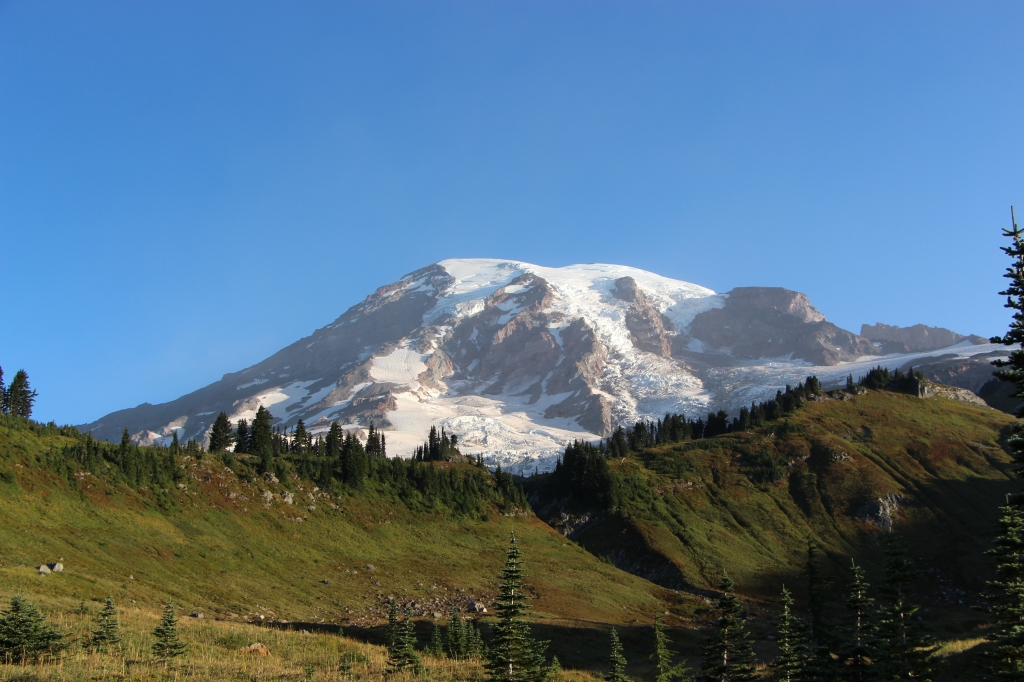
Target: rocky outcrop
893, 339
961, 395
882, 513
971, 373
649, 329
770, 322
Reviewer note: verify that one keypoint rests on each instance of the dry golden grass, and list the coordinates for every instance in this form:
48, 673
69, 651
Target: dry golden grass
214, 654
952, 647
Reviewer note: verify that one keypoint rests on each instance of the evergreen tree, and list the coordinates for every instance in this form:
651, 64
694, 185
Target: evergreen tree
667, 672
261, 439
858, 654
19, 396
167, 644
513, 655
242, 436
821, 666
221, 435
1007, 596
402, 652
728, 655
1012, 369
455, 637
475, 642
107, 632
25, 635
793, 652
903, 648
3, 393
436, 647
391, 633
301, 439
175, 445
616, 661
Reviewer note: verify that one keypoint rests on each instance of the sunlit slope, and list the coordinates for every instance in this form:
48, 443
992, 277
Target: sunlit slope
845, 469
218, 550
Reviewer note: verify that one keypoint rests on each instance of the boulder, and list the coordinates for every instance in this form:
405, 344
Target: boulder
271, 478
56, 567
288, 498
255, 648
44, 570
476, 607
369, 567
197, 615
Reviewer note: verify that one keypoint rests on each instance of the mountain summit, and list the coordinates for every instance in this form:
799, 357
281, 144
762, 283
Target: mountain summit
517, 359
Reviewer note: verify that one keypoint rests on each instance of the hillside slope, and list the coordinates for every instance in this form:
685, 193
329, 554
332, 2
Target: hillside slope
239, 550
840, 471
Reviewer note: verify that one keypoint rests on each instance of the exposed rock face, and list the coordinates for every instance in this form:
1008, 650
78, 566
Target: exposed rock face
649, 329
895, 339
766, 322
518, 359
953, 393
971, 373
883, 512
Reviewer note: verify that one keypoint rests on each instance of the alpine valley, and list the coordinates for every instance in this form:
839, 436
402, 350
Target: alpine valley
518, 359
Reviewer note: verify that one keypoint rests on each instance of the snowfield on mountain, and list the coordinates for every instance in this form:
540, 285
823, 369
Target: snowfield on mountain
518, 359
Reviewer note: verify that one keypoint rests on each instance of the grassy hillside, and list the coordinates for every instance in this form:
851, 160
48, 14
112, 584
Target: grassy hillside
747, 502
237, 550
243, 549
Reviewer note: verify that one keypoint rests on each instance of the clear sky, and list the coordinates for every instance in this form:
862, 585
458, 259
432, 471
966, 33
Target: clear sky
186, 188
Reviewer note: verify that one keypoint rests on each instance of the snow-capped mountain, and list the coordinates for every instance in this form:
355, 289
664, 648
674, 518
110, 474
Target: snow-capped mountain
518, 359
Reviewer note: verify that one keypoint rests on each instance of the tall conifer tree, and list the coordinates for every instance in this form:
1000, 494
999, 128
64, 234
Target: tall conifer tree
513, 655
300, 438
20, 396
261, 439
728, 655
455, 637
1012, 369
616, 661
666, 670
391, 632
1007, 596
402, 650
903, 647
792, 638
3, 393
858, 652
221, 435
242, 436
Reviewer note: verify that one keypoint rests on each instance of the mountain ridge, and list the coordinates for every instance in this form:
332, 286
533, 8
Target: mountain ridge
518, 359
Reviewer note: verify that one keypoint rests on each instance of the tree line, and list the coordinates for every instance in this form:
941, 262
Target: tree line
18, 398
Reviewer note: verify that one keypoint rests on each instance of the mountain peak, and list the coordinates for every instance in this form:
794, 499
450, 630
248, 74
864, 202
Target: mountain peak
517, 359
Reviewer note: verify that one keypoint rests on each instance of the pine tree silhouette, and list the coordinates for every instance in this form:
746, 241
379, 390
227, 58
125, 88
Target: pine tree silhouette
792, 637
728, 656
616, 661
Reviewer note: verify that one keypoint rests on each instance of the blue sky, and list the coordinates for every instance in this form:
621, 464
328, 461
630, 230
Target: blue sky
185, 188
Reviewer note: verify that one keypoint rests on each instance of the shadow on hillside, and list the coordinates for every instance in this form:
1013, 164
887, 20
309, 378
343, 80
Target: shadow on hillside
579, 648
